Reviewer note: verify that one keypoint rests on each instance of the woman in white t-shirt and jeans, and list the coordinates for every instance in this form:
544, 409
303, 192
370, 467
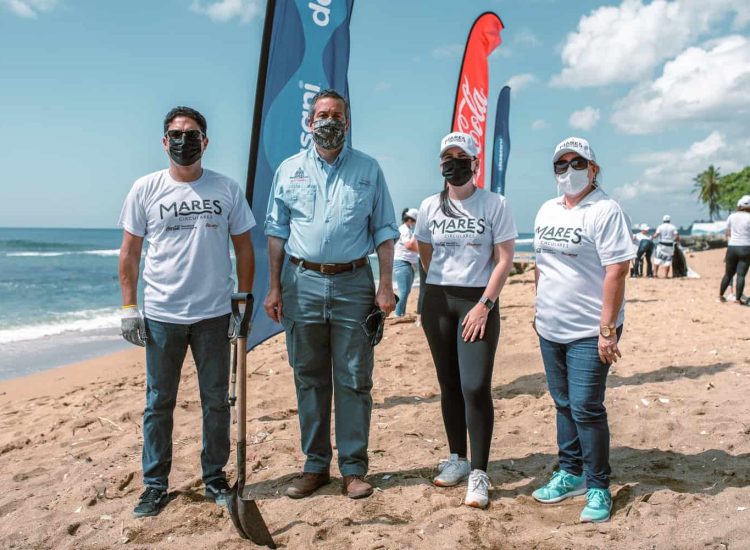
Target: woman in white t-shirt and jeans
583, 250
465, 237
405, 259
738, 251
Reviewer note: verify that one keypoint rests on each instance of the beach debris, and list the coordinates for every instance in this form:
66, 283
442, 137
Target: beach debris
703, 432
78, 510
387, 476
126, 481
663, 400
382, 426
645, 402
72, 528
260, 436
709, 386
105, 517
741, 508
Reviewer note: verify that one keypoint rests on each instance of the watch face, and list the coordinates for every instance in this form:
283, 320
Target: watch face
605, 332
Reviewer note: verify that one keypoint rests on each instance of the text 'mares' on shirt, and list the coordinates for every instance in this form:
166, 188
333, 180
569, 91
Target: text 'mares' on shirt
573, 247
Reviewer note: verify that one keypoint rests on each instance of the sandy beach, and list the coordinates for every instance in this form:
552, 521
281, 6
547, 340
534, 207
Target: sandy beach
70, 443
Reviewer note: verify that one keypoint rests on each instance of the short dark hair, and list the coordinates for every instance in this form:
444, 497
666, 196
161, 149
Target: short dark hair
328, 93
186, 112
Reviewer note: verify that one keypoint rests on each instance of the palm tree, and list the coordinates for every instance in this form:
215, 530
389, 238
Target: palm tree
708, 187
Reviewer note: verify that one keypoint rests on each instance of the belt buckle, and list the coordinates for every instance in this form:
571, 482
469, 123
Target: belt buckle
324, 269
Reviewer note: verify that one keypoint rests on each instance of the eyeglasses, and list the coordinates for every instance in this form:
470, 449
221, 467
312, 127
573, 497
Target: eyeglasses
577, 163
179, 134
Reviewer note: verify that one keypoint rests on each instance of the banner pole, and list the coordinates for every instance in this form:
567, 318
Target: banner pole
260, 92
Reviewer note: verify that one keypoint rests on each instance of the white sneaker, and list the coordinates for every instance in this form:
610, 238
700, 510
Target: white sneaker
452, 471
477, 495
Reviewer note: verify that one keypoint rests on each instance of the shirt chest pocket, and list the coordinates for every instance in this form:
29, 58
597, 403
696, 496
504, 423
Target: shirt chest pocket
301, 202
358, 199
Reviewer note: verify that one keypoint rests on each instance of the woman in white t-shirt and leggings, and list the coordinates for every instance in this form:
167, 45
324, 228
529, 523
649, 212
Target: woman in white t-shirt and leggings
738, 252
466, 237
583, 250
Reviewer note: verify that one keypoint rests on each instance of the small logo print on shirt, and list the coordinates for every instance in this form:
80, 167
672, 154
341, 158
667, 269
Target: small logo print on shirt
212, 225
299, 176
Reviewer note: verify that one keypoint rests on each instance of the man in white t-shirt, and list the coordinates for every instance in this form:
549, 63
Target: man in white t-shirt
666, 235
188, 215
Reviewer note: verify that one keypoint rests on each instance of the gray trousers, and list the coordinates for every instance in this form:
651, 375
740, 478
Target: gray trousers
331, 357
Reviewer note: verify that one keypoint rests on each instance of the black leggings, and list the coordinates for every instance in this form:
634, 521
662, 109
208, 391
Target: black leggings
464, 369
737, 261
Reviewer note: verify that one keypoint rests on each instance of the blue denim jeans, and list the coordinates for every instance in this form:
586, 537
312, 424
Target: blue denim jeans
577, 379
332, 357
165, 353
403, 274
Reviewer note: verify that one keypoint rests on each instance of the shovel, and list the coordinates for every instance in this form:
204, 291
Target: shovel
242, 508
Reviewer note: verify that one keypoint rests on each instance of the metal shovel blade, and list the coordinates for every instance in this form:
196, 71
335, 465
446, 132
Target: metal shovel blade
247, 519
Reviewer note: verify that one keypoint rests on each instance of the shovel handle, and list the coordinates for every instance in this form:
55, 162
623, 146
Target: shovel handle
241, 317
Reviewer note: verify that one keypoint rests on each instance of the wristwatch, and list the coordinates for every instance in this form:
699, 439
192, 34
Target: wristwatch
486, 302
607, 330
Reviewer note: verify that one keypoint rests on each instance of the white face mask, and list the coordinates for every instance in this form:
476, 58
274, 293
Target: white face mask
572, 182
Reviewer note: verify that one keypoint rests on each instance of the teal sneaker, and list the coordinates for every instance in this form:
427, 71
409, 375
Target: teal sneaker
562, 485
598, 506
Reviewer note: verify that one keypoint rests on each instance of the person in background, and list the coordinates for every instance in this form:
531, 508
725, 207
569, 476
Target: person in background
329, 208
405, 258
667, 236
188, 215
645, 249
583, 246
466, 240
738, 250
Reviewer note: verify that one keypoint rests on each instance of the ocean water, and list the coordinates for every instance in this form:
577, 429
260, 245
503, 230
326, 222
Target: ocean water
60, 296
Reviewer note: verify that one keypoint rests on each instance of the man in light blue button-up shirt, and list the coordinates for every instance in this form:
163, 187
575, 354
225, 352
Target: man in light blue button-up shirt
328, 209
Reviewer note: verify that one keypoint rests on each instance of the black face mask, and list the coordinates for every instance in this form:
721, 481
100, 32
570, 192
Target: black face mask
458, 172
185, 151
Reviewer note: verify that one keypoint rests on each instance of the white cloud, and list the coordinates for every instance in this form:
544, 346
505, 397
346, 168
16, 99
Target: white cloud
448, 51
585, 119
225, 10
669, 174
525, 37
702, 83
539, 124
625, 43
519, 81
28, 9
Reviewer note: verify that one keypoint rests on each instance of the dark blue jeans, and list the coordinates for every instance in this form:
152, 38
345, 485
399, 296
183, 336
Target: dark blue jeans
165, 353
403, 274
577, 379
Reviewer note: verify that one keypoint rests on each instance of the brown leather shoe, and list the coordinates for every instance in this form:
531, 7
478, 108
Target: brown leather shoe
307, 484
355, 487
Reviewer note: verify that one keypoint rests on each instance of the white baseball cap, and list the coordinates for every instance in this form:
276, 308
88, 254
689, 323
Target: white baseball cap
574, 145
411, 213
458, 139
666, 218
744, 201
645, 227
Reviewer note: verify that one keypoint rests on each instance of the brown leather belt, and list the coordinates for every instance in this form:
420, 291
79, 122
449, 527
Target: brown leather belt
329, 269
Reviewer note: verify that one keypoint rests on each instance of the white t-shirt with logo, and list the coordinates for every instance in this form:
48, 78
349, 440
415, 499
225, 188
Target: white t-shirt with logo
666, 233
406, 234
738, 224
462, 247
188, 272
573, 247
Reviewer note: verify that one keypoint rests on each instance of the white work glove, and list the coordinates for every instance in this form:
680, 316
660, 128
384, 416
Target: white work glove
133, 326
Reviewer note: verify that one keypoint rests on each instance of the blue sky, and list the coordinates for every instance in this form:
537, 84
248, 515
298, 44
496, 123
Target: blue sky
660, 88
